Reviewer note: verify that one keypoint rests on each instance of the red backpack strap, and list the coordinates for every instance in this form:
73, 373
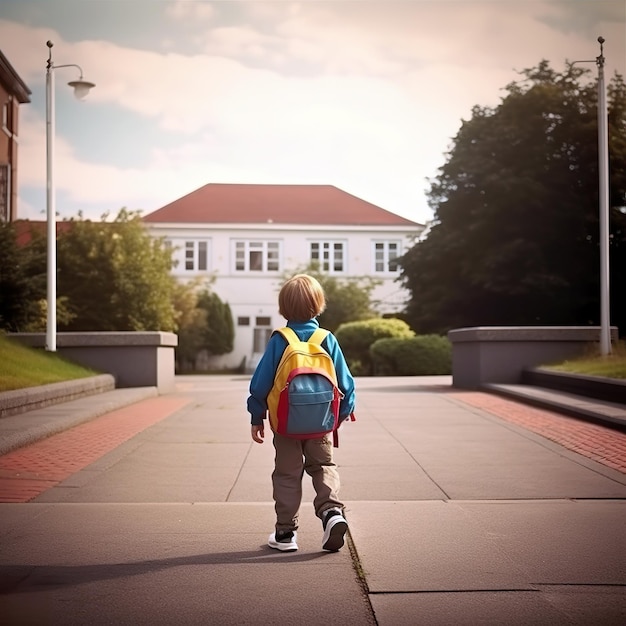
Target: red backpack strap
352, 418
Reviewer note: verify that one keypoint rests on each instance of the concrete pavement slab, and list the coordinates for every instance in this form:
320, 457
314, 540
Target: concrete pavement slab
478, 546
555, 606
428, 546
561, 541
169, 564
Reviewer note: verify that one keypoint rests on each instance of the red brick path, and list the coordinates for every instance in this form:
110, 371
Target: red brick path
27, 472
600, 443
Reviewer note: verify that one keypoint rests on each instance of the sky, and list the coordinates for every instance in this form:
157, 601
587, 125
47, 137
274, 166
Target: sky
363, 95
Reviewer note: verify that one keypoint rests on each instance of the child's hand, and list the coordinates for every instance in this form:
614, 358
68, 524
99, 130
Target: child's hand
258, 432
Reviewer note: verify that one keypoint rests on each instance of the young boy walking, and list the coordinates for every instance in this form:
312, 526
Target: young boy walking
301, 300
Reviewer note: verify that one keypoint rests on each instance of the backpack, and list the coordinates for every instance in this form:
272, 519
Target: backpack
304, 400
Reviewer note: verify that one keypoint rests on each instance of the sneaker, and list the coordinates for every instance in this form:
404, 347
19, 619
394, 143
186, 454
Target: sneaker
283, 540
335, 527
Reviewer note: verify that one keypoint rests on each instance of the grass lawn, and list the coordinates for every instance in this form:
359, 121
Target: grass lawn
593, 364
21, 366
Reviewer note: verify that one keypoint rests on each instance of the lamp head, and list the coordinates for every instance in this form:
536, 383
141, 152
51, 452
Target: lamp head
81, 87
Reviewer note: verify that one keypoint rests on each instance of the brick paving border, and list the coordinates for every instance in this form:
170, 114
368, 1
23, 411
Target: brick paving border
27, 472
594, 441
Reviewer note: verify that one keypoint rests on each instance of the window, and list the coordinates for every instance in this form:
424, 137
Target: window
243, 321
190, 255
329, 255
196, 256
386, 255
257, 256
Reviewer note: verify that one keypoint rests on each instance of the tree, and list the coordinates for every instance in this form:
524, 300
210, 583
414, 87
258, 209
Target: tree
115, 276
515, 238
219, 332
22, 280
347, 300
190, 322
204, 322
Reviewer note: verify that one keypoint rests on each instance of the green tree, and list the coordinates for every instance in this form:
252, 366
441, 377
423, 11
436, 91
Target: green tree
22, 280
219, 332
204, 322
347, 299
515, 239
190, 322
115, 276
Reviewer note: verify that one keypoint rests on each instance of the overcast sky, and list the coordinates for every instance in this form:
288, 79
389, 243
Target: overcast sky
363, 95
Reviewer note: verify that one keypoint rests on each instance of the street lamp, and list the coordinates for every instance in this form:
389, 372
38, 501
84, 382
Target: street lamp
81, 89
603, 169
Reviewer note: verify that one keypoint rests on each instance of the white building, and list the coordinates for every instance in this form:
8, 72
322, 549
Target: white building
249, 236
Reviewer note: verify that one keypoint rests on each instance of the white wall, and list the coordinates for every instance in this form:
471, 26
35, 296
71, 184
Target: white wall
256, 295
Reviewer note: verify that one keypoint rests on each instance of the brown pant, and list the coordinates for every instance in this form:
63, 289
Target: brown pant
294, 457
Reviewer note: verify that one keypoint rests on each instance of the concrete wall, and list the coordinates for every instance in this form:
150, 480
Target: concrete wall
134, 359
499, 354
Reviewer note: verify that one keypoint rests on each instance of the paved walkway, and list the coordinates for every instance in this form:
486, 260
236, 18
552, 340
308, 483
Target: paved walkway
464, 508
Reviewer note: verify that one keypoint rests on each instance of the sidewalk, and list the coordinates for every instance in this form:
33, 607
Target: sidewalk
159, 512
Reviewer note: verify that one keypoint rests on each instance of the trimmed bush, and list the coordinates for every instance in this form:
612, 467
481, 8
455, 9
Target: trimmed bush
425, 355
356, 338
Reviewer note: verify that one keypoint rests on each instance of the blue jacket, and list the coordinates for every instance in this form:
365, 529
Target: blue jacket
263, 378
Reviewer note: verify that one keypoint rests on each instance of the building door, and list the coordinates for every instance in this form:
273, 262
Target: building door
262, 333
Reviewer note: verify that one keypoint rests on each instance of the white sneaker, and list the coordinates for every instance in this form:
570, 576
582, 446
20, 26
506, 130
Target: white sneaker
283, 540
335, 527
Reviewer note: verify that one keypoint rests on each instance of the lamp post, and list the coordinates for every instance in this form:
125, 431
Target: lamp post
603, 182
603, 169
81, 88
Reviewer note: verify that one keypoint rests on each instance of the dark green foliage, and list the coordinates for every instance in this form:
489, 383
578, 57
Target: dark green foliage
424, 355
356, 338
190, 323
219, 332
115, 276
516, 236
205, 324
22, 280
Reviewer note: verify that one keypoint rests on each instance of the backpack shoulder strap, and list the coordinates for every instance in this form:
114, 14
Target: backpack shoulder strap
318, 336
290, 336
288, 333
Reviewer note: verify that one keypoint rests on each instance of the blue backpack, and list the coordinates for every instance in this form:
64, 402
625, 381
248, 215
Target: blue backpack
304, 400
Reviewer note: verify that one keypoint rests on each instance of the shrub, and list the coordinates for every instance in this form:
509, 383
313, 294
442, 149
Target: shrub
356, 338
425, 355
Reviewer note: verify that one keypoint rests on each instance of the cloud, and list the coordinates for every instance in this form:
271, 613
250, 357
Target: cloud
363, 95
190, 10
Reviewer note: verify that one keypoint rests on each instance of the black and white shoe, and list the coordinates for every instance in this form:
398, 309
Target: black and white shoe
283, 540
335, 527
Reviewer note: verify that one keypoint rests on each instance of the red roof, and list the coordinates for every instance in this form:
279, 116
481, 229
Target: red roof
278, 204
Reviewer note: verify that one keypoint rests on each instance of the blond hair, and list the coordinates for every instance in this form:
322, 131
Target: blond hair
301, 298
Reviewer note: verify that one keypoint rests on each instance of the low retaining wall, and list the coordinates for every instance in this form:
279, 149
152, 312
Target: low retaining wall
499, 354
134, 359
31, 398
